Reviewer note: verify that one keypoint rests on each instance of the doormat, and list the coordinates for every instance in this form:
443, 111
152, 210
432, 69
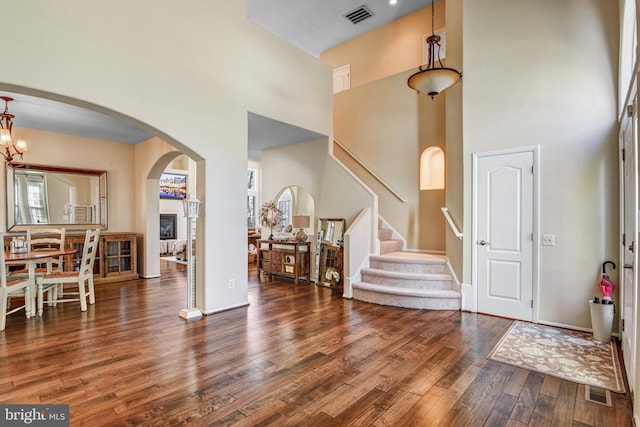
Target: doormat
569, 355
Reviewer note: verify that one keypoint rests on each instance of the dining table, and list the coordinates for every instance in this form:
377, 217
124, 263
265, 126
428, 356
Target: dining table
31, 259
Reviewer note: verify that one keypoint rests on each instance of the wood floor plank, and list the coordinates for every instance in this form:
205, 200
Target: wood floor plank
297, 355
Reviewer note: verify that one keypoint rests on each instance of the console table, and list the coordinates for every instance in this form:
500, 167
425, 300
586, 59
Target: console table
287, 259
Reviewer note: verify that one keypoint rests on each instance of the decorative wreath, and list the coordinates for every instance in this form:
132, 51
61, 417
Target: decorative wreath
270, 215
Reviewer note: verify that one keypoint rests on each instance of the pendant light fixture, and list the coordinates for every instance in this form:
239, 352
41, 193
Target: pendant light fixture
431, 79
11, 146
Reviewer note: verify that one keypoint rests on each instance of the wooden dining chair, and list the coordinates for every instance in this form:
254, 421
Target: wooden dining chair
54, 283
19, 287
44, 239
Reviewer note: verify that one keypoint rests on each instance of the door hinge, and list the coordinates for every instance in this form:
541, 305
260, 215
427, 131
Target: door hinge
630, 110
623, 155
622, 325
531, 303
624, 239
532, 170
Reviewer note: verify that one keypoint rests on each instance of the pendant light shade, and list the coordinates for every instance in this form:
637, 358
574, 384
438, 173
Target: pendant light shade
431, 79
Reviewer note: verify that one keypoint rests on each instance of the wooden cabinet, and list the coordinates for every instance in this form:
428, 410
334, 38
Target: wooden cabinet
287, 259
116, 259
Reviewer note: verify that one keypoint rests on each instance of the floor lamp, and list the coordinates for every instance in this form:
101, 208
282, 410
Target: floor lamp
191, 206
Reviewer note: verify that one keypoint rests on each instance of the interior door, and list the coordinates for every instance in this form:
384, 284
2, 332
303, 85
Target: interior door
342, 78
504, 209
629, 209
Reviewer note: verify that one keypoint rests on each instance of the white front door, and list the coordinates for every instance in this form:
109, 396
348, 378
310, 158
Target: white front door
504, 247
629, 209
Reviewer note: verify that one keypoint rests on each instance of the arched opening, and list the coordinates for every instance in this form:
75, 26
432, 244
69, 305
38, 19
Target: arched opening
432, 169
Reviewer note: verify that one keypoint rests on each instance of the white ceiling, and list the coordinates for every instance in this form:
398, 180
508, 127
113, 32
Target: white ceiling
312, 25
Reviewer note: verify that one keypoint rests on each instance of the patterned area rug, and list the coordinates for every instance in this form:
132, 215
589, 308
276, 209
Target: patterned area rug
570, 355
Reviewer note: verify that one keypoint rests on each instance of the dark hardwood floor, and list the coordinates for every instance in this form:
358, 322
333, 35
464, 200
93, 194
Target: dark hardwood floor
295, 356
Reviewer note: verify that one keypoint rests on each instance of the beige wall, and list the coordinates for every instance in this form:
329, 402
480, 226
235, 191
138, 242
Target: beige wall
387, 50
55, 149
545, 74
188, 85
387, 126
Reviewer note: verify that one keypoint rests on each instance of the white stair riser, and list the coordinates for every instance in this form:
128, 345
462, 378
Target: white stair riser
425, 283
406, 267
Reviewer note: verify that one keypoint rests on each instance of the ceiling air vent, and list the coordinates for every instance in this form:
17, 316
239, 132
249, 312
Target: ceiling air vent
358, 15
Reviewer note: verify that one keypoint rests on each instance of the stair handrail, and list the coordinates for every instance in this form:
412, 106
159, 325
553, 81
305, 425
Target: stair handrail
457, 232
372, 173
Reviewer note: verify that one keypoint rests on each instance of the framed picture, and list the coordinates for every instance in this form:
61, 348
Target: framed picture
173, 186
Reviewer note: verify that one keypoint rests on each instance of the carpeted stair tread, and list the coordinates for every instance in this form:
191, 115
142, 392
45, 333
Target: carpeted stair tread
410, 257
405, 275
425, 293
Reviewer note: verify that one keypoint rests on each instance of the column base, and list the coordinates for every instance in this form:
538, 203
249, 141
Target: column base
190, 313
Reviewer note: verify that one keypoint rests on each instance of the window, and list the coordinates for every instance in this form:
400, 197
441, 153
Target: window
252, 197
37, 199
284, 206
628, 44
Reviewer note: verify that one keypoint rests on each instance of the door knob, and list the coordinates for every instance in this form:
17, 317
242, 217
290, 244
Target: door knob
483, 243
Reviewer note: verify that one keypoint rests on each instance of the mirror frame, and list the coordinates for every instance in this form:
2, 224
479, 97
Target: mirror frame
103, 207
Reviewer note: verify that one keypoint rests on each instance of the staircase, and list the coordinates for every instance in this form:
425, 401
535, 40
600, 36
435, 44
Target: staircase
407, 279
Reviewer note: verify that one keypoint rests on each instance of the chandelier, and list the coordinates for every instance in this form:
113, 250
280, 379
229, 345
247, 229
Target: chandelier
11, 146
431, 79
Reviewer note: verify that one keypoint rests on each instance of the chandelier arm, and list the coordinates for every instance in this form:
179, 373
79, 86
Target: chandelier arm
439, 59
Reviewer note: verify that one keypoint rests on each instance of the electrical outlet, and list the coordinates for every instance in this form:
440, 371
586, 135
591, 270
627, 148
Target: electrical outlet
548, 239
232, 283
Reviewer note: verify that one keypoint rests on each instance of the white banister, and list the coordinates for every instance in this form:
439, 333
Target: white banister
457, 232
372, 173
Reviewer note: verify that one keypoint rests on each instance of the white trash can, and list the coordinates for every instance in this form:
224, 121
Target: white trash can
601, 320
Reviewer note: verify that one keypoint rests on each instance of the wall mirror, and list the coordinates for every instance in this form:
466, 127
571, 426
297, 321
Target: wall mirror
47, 195
330, 237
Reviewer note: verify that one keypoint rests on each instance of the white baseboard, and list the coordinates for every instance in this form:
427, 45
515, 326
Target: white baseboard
468, 301
150, 277
223, 309
572, 327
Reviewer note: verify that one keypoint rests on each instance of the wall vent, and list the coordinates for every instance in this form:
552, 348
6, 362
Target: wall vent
597, 395
358, 15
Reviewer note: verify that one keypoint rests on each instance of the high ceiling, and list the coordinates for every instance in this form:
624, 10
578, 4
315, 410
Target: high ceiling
317, 25
311, 25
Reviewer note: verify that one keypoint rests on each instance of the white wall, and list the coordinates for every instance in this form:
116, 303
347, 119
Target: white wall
544, 74
172, 82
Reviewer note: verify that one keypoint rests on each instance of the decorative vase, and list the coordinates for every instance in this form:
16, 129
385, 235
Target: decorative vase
301, 236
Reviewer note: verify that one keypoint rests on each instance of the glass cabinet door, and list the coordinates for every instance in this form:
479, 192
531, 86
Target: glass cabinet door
118, 255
